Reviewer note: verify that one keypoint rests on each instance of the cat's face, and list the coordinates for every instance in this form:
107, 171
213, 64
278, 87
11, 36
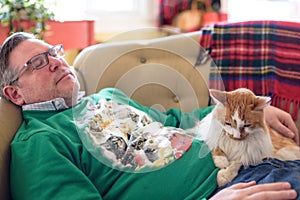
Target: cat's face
240, 112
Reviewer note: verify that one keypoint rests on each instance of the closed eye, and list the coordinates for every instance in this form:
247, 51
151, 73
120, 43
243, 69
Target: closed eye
247, 125
228, 123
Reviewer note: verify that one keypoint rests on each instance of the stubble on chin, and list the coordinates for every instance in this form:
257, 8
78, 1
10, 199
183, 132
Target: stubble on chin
72, 99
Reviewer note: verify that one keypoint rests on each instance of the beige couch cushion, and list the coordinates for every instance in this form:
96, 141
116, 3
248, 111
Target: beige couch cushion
156, 72
10, 120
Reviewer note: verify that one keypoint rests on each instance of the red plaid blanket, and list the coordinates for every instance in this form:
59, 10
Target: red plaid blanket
263, 56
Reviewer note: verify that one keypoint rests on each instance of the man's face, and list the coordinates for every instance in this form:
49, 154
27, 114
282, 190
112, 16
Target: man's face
54, 80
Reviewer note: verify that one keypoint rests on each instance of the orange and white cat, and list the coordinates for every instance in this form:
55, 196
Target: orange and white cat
237, 134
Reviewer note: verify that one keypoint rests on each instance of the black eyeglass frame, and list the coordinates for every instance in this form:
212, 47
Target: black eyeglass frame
53, 52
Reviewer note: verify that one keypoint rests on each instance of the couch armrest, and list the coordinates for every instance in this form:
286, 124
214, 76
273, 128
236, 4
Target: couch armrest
10, 120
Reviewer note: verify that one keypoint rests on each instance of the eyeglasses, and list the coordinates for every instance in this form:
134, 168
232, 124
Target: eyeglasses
41, 60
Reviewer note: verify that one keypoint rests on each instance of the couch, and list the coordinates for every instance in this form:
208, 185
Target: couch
172, 71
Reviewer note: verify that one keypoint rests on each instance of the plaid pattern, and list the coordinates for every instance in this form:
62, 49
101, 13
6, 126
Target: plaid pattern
263, 56
54, 104
206, 37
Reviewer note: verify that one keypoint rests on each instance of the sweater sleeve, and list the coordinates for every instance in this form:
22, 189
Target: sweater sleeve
44, 160
173, 117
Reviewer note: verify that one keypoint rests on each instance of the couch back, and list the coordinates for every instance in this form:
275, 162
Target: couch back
157, 72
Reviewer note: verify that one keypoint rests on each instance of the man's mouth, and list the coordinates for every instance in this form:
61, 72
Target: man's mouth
63, 76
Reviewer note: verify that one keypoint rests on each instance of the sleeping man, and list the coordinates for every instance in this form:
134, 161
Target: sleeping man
107, 146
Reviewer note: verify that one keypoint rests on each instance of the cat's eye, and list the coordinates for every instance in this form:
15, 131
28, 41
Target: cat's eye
247, 125
228, 123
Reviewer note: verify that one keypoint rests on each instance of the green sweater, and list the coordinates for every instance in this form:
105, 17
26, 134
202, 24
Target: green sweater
49, 160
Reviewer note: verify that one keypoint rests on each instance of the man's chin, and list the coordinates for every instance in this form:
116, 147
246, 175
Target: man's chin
72, 99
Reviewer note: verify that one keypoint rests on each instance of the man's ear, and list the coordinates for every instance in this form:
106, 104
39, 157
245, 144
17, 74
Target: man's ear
12, 93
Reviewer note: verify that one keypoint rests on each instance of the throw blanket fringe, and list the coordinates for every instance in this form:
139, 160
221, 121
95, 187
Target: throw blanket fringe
289, 105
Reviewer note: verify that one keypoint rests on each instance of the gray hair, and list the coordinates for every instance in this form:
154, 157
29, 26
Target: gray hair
6, 72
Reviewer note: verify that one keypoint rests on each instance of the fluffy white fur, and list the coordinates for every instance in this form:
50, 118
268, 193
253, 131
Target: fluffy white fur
251, 151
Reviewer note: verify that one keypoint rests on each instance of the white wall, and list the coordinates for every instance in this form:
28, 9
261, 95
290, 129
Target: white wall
144, 14
282, 10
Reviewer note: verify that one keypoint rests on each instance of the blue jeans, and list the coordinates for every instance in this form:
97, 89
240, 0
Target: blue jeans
269, 171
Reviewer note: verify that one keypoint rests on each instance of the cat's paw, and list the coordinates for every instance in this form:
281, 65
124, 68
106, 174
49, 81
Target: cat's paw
228, 174
223, 177
221, 162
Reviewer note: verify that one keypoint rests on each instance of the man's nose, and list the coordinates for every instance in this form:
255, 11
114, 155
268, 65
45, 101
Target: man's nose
54, 63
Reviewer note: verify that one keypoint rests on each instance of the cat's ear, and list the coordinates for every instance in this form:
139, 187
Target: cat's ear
218, 96
261, 102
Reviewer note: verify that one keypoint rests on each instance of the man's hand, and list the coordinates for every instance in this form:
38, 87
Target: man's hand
282, 122
249, 191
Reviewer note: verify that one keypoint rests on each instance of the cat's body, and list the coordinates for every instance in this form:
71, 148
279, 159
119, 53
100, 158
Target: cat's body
237, 133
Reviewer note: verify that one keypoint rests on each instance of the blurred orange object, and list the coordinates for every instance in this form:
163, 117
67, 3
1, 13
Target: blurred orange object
72, 34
